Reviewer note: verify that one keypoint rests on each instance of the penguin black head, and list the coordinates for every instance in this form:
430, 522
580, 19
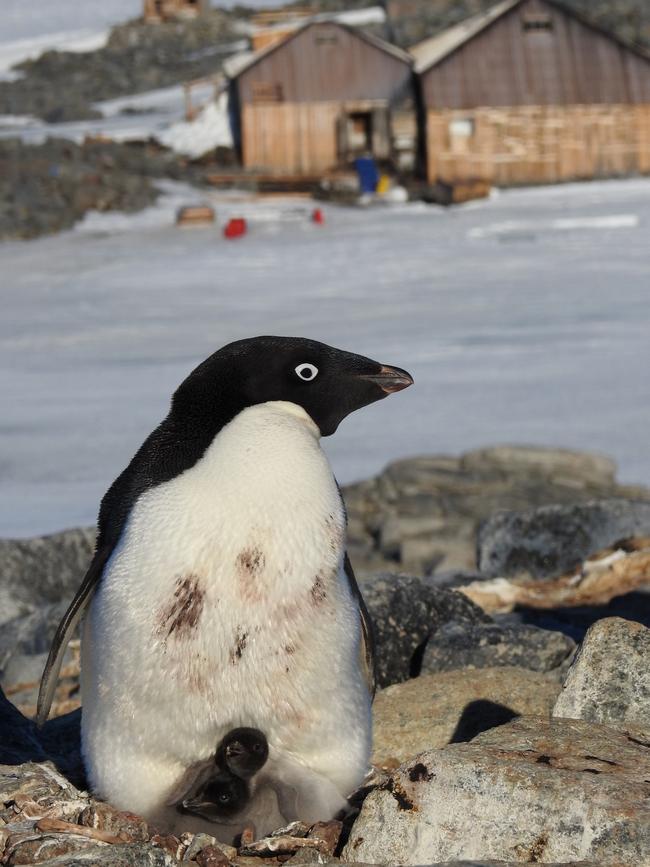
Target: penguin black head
327, 383
243, 752
223, 795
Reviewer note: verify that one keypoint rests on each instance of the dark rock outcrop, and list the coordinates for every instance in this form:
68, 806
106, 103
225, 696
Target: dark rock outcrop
552, 540
406, 613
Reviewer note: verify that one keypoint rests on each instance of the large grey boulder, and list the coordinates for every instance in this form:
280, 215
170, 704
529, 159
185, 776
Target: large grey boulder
434, 709
43, 570
405, 613
535, 790
29, 635
552, 540
609, 681
486, 645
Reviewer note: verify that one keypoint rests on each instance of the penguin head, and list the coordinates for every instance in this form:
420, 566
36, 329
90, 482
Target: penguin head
243, 752
327, 383
223, 795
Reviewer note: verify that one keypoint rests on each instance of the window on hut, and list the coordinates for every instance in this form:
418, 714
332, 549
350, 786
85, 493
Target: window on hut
537, 23
267, 91
326, 39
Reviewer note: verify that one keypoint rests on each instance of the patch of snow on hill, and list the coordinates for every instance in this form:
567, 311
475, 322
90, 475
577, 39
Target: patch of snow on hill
210, 129
18, 50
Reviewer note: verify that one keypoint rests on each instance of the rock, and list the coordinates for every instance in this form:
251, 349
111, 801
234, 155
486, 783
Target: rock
488, 645
545, 542
434, 709
121, 855
62, 85
609, 681
613, 582
423, 514
405, 613
453, 579
43, 570
59, 741
533, 790
560, 466
28, 635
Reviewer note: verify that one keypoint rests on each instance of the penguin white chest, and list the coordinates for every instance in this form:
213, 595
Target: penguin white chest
225, 604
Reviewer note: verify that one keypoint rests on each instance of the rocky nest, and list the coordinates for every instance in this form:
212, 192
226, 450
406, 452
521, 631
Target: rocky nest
512, 721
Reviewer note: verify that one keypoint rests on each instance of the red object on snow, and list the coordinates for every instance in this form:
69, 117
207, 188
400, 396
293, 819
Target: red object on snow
317, 216
235, 228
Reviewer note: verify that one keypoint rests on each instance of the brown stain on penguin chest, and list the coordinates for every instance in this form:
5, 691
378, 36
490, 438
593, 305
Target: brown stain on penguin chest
318, 592
180, 617
249, 564
237, 650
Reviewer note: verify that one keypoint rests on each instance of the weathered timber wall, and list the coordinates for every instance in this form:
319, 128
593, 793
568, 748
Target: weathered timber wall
327, 62
294, 138
538, 144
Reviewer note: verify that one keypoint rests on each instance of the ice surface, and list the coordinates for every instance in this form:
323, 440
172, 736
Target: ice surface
525, 333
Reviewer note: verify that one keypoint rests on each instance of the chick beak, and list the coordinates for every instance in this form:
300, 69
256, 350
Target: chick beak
390, 379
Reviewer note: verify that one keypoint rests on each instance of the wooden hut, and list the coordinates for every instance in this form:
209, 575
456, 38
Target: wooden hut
530, 92
323, 95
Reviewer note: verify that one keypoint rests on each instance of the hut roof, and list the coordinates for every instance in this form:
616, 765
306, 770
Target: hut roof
234, 68
430, 52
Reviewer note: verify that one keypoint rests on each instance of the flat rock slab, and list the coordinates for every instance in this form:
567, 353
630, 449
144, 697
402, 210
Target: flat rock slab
488, 645
535, 790
609, 681
431, 710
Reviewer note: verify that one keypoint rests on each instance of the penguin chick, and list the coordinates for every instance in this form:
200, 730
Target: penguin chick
238, 757
223, 796
243, 752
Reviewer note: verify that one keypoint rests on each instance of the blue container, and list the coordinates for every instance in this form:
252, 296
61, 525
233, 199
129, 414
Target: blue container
368, 174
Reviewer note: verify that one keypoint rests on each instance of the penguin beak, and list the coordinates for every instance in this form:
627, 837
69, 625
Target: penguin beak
390, 379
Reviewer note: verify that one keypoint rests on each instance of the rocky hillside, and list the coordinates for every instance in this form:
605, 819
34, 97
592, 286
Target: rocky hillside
47, 188
62, 85
495, 740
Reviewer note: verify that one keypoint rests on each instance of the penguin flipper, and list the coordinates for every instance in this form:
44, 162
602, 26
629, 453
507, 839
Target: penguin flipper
367, 630
64, 631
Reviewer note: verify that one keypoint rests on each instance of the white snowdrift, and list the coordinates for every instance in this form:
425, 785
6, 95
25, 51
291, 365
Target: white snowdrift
210, 129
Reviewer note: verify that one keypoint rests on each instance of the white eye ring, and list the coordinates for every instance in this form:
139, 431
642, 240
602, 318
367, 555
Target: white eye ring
307, 371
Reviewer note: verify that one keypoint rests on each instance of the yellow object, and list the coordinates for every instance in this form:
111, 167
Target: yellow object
383, 185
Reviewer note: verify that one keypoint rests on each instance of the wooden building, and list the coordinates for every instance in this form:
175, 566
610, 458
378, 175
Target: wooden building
323, 95
167, 10
530, 92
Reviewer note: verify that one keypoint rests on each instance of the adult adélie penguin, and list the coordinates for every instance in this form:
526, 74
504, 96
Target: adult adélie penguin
220, 594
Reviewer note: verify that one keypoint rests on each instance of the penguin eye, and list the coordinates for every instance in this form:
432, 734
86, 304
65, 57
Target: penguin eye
307, 372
